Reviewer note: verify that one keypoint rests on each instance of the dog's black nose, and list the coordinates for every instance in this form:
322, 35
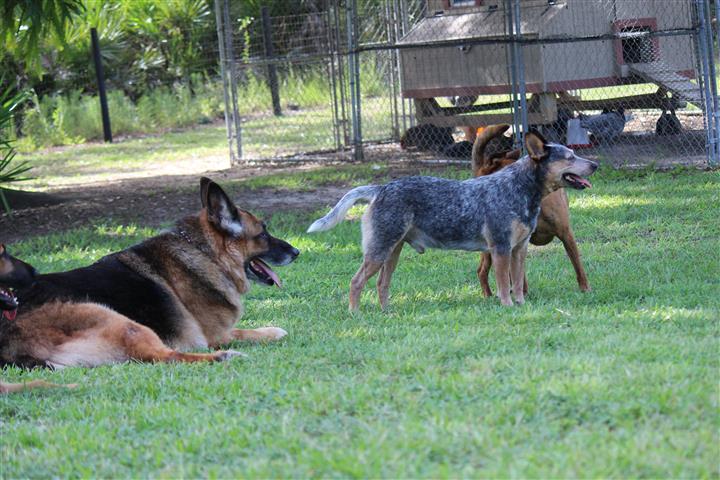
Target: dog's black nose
595, 165
295, 252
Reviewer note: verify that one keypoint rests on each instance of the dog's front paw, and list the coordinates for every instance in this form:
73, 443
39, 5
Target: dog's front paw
226, 355
271, 333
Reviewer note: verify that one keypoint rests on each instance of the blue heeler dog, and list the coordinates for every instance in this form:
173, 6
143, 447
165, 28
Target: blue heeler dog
495, 213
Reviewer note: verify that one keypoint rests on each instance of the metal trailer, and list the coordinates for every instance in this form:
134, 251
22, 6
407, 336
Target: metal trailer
567, 45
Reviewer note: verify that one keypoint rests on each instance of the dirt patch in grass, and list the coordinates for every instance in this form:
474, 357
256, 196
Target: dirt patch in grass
159, 200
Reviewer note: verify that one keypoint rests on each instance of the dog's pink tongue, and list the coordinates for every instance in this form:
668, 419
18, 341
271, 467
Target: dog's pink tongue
10, 314
582, 181
269, 272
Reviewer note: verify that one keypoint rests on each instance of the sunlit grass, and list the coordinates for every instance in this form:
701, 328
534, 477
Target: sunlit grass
620, 382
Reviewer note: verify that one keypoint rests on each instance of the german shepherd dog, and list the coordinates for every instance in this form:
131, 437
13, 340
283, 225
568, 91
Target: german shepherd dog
15, 273
554, 218
177, 291
495, 213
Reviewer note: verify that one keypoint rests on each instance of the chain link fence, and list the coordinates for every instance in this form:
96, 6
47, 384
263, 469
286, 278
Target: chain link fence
631, 82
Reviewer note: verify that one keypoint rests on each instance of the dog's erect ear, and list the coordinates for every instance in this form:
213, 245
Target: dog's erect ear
222, 213
535, 144
204, 183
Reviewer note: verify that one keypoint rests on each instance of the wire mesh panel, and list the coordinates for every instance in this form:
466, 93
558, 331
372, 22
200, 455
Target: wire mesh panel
626, 70
628, 81
619, 78
285, 71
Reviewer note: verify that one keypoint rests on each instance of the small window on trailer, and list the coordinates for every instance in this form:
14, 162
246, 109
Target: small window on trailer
464, 3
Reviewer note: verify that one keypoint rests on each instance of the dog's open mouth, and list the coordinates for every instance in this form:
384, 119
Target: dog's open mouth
261, 272
576, 181
8, 304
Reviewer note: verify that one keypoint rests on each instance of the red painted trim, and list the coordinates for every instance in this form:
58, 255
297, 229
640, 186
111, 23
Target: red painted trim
618, 25
687, 73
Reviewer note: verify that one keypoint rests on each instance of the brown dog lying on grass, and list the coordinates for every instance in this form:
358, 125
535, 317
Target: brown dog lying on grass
554, 219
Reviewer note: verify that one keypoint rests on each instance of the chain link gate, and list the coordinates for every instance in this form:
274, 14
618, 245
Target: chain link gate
286, 84
632, 82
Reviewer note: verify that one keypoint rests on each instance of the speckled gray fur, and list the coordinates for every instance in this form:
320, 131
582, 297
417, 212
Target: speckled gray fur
429, 212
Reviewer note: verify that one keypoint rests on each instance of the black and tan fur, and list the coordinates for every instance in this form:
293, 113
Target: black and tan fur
15, 273
554, 218
178, 291
494, 213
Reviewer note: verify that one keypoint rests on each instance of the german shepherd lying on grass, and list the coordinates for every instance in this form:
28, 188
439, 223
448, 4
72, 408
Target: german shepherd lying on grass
177, 291
15, 273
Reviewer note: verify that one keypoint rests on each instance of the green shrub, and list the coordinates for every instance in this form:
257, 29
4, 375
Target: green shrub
77, 116
39, 125
123, 114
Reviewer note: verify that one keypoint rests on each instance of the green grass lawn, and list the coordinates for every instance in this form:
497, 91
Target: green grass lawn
620, 382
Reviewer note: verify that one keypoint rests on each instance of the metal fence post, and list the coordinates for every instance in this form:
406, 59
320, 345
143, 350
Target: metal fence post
704, 42
354, 60
713, 84
223, 74
236, 133
512, 61
391, 24
100, 73
272, 70
520, 65
339, 56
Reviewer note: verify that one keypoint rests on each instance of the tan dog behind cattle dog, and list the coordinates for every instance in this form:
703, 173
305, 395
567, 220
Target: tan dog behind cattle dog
554, 218
177, 291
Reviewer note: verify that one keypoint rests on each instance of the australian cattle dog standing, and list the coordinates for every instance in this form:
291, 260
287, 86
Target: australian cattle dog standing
177, 291
495, 213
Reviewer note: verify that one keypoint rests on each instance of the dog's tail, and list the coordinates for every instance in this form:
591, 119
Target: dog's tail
337, 214
481, 141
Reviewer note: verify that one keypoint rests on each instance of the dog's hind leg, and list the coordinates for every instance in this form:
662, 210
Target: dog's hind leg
142, 344
571, 248
366, 271
483, 273
19, 387
502, 277
386, 272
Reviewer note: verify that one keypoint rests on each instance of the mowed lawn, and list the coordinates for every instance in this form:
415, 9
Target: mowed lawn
620, 382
